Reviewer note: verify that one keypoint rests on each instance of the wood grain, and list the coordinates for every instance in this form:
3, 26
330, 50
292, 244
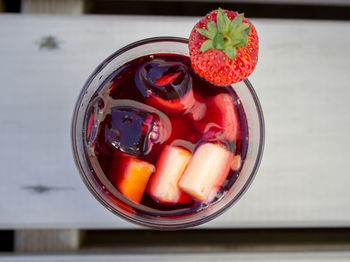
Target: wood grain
302, 80
222, 257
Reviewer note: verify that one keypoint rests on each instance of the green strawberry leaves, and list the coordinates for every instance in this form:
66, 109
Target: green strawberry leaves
237, 21
207, 45
206, 33
230, 52
223, 22
219, 42
225, 35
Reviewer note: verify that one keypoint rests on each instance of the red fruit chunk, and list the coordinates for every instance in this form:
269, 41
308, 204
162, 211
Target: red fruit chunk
206, 172
163, 185
130, 176
167, 79
179, 105
221, 119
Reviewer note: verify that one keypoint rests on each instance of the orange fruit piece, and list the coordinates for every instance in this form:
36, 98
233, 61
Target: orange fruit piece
134, 178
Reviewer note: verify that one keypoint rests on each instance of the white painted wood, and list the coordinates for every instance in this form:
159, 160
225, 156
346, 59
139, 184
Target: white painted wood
338, 256
73, 7
302, 80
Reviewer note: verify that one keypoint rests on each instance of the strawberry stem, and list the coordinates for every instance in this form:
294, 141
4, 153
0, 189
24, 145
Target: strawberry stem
225, 35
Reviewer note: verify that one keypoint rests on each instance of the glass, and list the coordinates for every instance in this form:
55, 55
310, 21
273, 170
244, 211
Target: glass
108, 195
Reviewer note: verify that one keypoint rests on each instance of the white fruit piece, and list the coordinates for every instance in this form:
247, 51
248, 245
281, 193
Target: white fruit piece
206, 172
163, 185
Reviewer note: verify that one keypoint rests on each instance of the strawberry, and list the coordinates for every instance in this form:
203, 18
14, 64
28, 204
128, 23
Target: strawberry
224, 47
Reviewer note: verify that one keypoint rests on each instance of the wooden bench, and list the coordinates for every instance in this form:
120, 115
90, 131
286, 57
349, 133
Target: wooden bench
302, 80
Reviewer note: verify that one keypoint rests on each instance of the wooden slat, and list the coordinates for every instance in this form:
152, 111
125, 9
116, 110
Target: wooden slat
68, 7
221, 257
302, 80
46, 241
293, 2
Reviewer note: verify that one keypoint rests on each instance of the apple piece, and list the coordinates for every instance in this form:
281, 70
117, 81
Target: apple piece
163, 185
207, 170
133, 179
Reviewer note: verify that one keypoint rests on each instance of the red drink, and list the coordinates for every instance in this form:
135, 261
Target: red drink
159, 145
127, 125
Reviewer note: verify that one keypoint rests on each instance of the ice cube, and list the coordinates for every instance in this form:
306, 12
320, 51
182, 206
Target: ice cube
134, 128
167, 80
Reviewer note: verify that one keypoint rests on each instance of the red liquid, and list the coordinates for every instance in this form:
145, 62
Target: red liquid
137, 123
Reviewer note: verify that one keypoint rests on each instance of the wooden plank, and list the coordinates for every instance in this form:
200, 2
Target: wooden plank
301, 79
71, 7
220, 257
293, 2
46, 241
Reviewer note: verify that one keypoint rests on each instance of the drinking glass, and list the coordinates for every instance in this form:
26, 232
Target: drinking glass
102, 189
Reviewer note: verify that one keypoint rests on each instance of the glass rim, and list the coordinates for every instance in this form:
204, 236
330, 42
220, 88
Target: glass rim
148, 223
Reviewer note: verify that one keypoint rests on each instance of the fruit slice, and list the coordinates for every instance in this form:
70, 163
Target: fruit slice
179, 105
167, 79
163, 185
206, 172
221, 119
134, 177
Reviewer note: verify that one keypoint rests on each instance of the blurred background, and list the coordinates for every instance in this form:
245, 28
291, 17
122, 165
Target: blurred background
306, 9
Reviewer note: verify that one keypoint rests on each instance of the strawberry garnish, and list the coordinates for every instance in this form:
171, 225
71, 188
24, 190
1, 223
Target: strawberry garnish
224, 47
